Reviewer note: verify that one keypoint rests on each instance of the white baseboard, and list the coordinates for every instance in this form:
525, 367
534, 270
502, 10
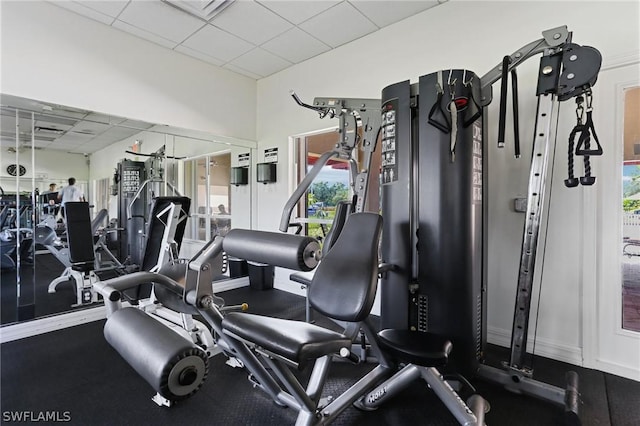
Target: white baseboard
544, 347
22, 330
626, 371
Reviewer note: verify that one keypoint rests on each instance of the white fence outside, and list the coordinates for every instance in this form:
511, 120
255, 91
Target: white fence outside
631, 225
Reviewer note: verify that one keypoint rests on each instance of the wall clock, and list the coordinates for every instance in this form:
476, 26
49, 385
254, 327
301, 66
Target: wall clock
16, 169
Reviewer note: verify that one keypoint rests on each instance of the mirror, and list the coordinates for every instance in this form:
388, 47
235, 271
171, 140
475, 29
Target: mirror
44, 143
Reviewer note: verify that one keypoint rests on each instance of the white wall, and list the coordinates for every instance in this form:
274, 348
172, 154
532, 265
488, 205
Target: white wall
50, 167
473, 35
104, 161
51, 54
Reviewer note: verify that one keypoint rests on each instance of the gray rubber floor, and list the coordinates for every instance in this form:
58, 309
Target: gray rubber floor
75, 372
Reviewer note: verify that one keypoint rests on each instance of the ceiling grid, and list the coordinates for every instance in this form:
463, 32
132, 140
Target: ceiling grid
255, 38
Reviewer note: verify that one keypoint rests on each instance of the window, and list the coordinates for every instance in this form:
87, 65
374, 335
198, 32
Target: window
631, 212
207, 184
331, 185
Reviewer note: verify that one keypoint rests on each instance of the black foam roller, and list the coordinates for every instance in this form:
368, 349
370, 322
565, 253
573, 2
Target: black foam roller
285, 250
172, 365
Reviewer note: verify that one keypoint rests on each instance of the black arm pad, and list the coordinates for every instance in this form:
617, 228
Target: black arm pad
285, 250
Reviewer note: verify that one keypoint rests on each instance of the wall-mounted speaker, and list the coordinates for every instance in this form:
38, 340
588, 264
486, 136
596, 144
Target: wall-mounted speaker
266, 172
239, 176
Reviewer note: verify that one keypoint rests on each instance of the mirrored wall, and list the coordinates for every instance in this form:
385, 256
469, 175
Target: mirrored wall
43, 145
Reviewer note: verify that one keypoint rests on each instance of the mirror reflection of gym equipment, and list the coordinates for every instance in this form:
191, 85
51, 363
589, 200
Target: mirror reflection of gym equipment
46, 277
390, 324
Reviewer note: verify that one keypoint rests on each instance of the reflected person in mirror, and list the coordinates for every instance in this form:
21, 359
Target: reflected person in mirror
70, 193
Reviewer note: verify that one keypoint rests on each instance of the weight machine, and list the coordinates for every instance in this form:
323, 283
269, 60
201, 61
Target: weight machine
434, 142
364, 114
344, 288
566, 71
137, 183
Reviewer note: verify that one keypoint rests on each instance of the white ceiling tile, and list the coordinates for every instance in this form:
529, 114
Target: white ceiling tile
51, 125
47, 118
251, 21
160, 19
110, 7
73, 139
199, 55
104, 118
297, 11
42, 144
295, 45
135, 124
144, 34
89, 128
218, 44
84, 11
261, 62
384, 13
338, 25
230, 39
118, 133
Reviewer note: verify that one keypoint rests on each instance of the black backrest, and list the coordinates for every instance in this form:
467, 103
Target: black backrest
343, 208
4, 215
79, 235
344, 284
156, 226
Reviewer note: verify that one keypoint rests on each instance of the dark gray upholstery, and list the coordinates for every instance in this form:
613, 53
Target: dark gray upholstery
172, 296
172, 365
297, 341
344, 285
79, 236
425, 349
343, 208
273, 248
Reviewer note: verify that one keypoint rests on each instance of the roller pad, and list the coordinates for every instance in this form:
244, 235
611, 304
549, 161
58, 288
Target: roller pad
172, 365
285, 250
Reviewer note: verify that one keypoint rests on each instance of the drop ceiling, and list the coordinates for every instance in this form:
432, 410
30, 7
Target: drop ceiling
78, 131
255, 38
59, 127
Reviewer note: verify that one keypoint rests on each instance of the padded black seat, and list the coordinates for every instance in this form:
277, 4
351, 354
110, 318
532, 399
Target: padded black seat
424, 349
296, 341
83, 267
343, 287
